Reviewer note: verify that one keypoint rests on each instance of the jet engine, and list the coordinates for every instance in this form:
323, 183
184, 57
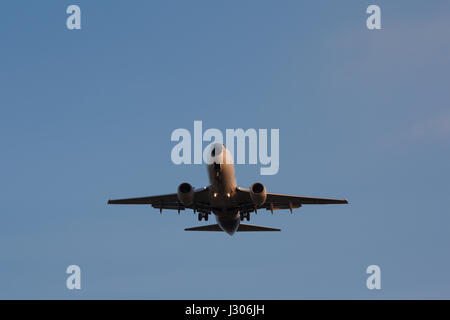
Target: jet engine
185, 194
258, 194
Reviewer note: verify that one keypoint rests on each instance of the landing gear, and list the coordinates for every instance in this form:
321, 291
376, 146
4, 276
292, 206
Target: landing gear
202, 215
245, 215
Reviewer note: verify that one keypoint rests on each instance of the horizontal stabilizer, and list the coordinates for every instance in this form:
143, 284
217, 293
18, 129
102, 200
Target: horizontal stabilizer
250, 227
242, 228
211, 227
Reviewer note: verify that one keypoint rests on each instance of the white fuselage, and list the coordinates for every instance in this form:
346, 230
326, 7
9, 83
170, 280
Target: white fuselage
223, 188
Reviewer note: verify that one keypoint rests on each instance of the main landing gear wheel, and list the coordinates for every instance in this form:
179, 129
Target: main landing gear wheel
199, 217
206, 217
245, 215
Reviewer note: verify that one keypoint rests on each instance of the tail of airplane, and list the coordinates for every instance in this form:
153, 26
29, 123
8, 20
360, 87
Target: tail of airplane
242, 228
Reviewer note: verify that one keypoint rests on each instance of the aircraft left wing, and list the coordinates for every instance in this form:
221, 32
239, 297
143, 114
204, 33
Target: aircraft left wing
169, 201
277, 201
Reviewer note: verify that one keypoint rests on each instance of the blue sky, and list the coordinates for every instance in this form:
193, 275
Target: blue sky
87, 116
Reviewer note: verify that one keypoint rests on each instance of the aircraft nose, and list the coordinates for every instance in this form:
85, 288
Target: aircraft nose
216, 150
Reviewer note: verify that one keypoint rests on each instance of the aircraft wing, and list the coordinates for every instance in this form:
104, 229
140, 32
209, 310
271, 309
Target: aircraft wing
169, 201
277, 201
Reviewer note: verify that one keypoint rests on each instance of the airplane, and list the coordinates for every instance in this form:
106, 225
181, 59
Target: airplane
229, 203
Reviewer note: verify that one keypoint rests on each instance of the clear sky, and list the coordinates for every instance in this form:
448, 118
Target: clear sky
86, 115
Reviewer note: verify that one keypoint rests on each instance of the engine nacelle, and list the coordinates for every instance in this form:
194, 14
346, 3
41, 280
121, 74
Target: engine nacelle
258, 194
185, 194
